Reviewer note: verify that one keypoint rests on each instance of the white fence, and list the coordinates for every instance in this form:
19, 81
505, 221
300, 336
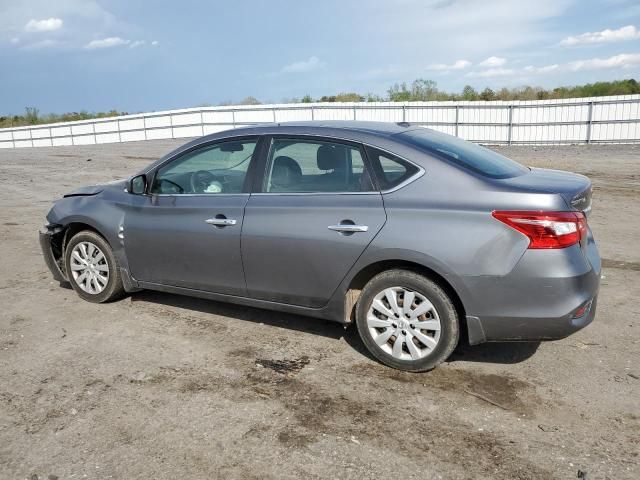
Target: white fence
584, 120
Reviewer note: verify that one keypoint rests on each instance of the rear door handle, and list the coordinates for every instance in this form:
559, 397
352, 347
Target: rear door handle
221, 222
348, 228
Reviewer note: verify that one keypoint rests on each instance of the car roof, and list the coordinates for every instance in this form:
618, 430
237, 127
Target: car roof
347, 128
379, 128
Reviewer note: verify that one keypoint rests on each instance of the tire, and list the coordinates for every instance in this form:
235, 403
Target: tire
432, 327
93, 287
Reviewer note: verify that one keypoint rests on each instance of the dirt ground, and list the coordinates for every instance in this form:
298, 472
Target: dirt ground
158, 386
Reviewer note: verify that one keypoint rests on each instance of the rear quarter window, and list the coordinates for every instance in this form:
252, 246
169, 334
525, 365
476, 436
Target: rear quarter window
390, 170
465, 154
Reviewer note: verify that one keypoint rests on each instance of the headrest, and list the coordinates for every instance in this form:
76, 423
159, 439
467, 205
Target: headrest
331, 157
285, 171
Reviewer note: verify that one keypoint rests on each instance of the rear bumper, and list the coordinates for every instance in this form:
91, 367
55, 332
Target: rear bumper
521, 329
538, 299
47, 252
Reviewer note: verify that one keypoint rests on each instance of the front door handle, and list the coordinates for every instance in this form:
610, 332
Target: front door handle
348, 228
221, 222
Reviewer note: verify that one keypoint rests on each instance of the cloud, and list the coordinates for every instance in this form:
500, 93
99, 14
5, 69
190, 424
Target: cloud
624, 60
544, 69
14, 40
46, 25
142, 43
107, 43
605, 36
492, 72
493, 62
313, 63
457, 65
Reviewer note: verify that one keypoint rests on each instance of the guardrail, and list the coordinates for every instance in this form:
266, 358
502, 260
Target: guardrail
571, 121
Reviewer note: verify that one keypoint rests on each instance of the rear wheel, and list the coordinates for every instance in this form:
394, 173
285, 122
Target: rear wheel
407, 321
92, 269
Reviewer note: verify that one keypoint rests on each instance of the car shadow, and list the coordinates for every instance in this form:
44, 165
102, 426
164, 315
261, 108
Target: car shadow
494, 352
499, 352
289, 321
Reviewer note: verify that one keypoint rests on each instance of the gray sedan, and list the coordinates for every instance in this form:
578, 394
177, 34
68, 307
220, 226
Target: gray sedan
415, 236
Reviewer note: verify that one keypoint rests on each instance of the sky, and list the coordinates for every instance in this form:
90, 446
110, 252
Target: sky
134, 55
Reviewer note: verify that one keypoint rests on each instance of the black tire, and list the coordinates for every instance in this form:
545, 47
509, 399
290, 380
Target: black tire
446, 311
114, 288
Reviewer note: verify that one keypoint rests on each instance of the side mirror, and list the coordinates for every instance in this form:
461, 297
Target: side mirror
138, 185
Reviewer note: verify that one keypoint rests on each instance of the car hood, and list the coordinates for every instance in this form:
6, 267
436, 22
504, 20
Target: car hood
95, 189
575, 189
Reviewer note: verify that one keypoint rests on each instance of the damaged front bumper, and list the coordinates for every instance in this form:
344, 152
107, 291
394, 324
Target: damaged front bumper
51, 239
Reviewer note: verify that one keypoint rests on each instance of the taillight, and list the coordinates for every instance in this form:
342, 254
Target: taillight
547, 229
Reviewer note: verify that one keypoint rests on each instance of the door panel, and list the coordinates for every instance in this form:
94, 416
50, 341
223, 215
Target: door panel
169, 241
291, 256
186, 233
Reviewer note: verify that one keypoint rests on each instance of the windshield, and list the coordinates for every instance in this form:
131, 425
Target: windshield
465, 154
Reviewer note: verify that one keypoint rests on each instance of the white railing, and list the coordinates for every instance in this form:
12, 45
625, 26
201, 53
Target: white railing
570, 121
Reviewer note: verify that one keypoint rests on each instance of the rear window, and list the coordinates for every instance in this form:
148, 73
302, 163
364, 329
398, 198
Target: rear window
465, 154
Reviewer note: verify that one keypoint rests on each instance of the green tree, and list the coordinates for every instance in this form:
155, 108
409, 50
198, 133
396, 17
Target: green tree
250, 101
487, 94
424, 90
31, 115
399, 93
469, 93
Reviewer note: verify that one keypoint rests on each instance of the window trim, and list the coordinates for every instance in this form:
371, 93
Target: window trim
248, 181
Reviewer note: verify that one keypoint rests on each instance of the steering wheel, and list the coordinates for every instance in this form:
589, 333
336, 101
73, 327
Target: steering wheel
172, 186
200, 180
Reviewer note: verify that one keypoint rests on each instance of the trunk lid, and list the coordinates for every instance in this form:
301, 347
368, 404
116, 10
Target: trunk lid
575, 189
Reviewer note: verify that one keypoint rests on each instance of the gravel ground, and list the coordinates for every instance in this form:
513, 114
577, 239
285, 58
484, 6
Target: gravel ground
162, 386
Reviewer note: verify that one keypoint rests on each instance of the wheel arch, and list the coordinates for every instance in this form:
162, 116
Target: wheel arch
61, 239
76, 226
366, 272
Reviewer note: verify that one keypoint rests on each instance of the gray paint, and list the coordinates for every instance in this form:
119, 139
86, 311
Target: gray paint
281, 255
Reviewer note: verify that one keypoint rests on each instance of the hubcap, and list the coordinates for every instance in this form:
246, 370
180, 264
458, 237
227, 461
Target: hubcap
404, 323
89, 268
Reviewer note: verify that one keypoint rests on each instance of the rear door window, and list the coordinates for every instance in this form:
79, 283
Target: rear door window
308, 166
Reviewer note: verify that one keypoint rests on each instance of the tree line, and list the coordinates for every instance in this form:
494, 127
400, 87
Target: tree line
418, 90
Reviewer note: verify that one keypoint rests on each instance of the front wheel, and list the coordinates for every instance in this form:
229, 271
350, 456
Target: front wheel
407, 321
92, 269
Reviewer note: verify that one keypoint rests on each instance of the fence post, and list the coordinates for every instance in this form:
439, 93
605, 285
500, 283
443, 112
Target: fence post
510, 125
171, 124
354, 112
119, 136
233, 118
273, 110
144, 126
13, 139
457, 118
312, 113
201, 123
589, 122
404, 113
